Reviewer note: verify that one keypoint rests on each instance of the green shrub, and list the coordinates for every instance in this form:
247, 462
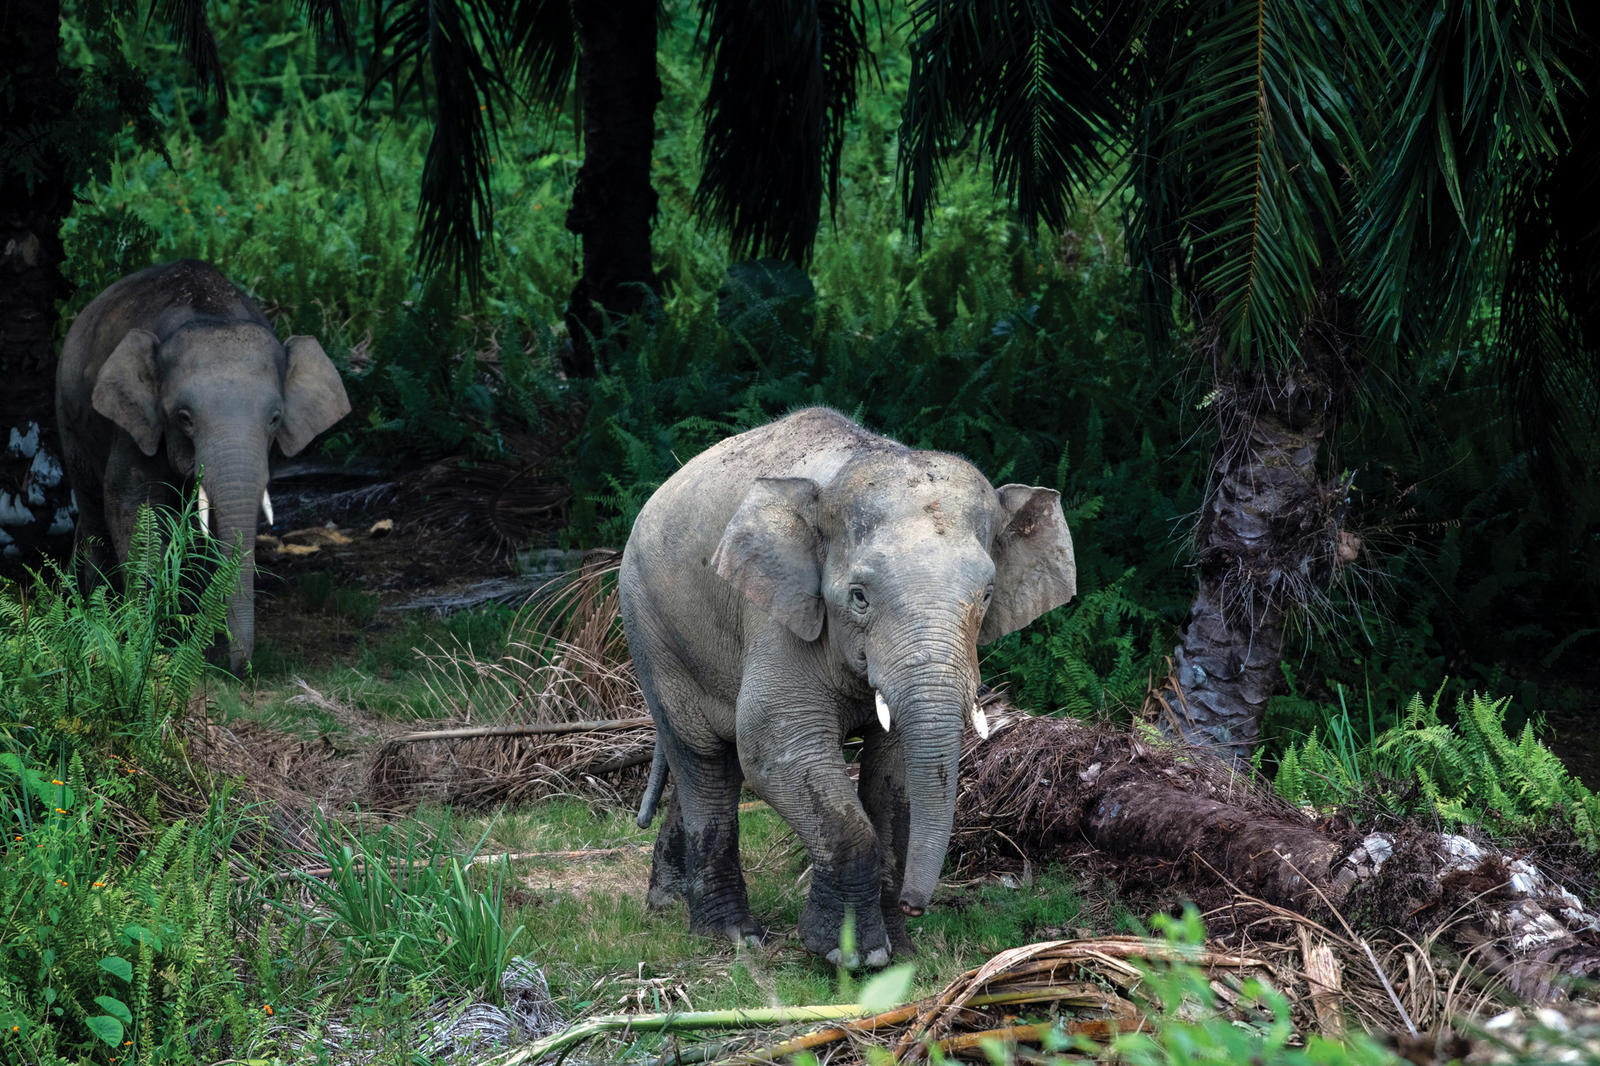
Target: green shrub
110, 920
1471, 771
403, 907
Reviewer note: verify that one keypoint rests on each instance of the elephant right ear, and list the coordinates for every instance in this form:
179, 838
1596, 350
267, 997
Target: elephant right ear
128, 391
771, 552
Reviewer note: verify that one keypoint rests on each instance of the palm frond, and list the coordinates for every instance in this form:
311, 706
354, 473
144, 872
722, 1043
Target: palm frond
186, 20
451, 52
1460, 95
1039, 83
328, 16
783, 82
542, 47
1236, 173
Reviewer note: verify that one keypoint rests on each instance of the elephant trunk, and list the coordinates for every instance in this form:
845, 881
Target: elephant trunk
235, 483
929, 694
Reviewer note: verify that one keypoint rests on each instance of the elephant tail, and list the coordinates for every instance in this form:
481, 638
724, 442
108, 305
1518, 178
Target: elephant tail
658, 781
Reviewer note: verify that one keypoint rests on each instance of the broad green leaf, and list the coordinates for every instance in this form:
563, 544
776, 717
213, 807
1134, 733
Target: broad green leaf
106, 1028
117, 966
116, 1008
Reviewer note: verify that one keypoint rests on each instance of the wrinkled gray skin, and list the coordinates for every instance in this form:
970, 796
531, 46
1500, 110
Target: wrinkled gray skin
768, 590
173, 367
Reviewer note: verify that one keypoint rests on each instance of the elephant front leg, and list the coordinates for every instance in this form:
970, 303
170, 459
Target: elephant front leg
797, 765
882, 788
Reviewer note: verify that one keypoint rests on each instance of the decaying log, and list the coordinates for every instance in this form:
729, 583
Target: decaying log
1053, 787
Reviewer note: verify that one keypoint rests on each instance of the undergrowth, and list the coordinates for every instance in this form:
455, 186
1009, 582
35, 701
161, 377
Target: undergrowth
111, 908
1468, 770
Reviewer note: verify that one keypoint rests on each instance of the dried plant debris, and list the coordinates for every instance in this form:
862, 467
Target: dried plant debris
566, 661
1047, 789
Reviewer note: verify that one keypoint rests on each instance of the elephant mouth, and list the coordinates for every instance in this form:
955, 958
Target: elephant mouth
203, 509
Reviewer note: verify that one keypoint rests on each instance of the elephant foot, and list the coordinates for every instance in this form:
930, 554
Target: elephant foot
822, 933
740, 929
876, 959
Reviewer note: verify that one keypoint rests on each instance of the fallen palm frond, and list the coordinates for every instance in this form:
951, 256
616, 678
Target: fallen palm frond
1091, 984
1052, 789
530, 730
559, 712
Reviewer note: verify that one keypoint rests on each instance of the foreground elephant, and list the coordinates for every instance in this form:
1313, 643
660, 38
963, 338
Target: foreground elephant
171, 368
799, 584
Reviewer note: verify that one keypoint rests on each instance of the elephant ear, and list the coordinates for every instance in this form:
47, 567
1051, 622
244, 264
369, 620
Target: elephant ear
128, 390
1034, 569
313, 395
771, 552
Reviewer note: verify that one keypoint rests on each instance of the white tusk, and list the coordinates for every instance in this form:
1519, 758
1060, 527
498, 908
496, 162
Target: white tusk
883, 710
202, 511
980, 721
266, 506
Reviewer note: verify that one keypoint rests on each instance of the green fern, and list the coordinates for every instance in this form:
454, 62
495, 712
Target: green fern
1470, 771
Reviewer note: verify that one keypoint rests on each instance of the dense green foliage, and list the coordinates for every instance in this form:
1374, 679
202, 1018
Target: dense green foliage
1022, 350
1468, 771
110, 915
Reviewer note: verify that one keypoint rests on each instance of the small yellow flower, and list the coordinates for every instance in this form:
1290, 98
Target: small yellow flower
538, 207
268, 1008
16, 837
483, 107
186, 210
60, 882
99, 884
61, 810
258, 207
54, 781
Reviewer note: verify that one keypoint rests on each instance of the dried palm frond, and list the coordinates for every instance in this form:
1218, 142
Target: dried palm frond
566, 661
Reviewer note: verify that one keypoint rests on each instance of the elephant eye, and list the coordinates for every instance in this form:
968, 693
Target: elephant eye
858, 597
185, 421
988, 595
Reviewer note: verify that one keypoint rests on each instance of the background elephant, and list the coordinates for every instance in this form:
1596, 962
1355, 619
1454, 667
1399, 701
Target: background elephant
799, 584
171, 368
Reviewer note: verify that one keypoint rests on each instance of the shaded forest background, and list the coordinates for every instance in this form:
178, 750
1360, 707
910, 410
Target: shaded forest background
1023, 348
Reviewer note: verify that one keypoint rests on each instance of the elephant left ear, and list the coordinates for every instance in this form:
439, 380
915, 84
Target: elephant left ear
1034, 569
313, 395
771, 552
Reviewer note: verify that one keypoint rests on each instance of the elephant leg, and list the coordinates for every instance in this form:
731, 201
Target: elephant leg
669, 870
706, 809
92, 555
882, 789
795, 760
697, 850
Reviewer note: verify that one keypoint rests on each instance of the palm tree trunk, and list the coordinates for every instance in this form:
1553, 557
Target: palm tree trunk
1269, 539
35, 196
613, 204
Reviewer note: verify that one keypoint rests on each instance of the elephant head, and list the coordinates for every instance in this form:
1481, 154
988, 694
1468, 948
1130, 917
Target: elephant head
904, 562
218, 396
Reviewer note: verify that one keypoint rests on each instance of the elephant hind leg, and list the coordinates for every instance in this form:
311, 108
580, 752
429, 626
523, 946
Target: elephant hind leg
669, 870
705, 802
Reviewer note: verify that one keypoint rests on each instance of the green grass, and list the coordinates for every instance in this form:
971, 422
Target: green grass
590, 913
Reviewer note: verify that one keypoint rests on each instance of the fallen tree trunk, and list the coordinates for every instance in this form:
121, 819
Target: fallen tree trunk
1154, 814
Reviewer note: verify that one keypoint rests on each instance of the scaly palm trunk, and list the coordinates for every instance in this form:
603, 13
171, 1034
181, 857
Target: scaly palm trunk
1268, 541
613, 204
35, 196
